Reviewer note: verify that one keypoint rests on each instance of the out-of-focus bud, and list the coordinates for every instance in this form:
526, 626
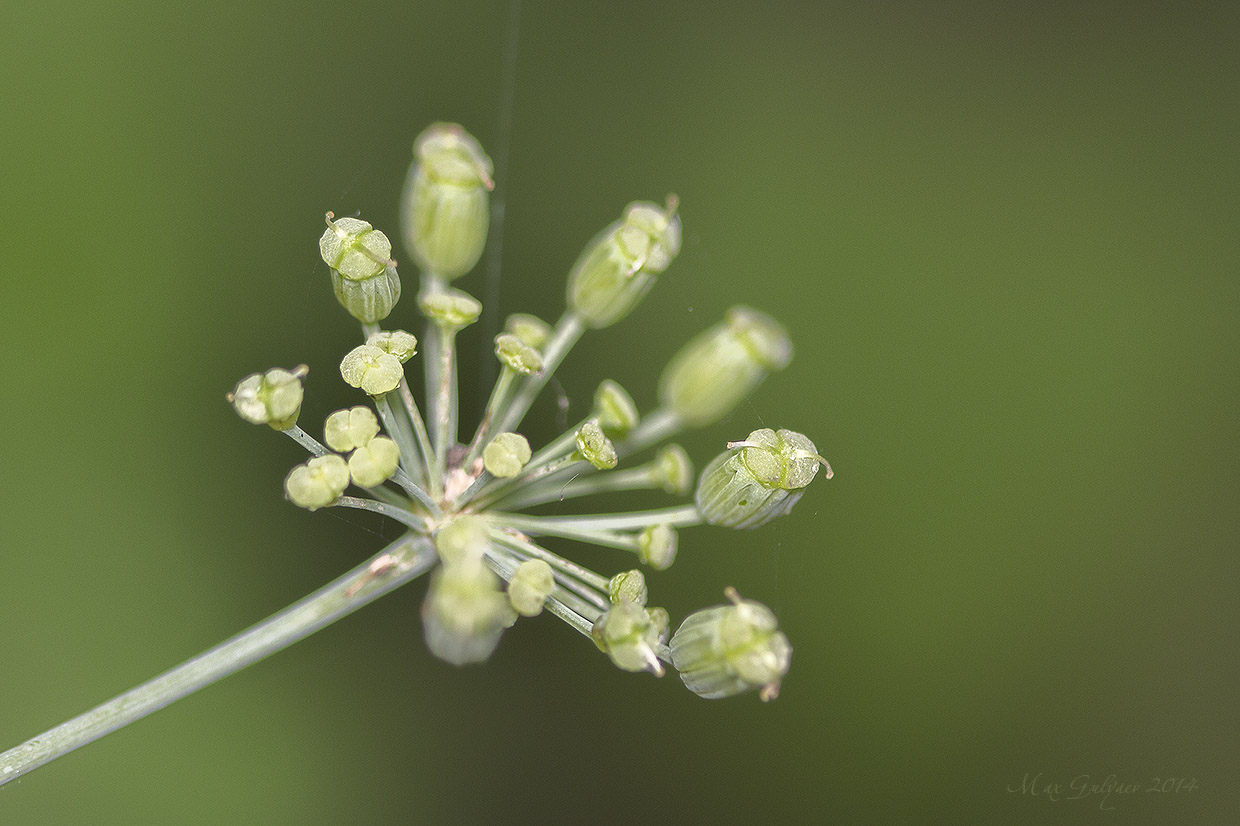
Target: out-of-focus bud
373, 463
530, 586
594, 446
349, 429
722, 365
372, 370
272, 398
672, 470
465, 612
445, 208
759, 479
615, 410
403, 346
730, 649
506, 455
656, 546
530, 329
318, 482
629, 635
452, 308
515, 353
465, 537
620, 264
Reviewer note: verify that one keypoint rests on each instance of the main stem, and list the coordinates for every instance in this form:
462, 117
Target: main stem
398, 563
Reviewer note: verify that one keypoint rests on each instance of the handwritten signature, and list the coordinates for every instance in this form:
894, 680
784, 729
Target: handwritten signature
1106, 791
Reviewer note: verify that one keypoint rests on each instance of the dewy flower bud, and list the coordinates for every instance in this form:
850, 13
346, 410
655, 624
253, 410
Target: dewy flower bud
620, 264
445, 205
372, 370
506, 455
532, 330
349, 429
595, 447
464, 538
656, 546
530, 586
628, 634
373, 463
452, 308
398, 343
615, 410
272, 398
627, 586
354, 249
518, 355
722, 365
672, 470
758, 479
369, 300
318, 482
465, 612
730, 649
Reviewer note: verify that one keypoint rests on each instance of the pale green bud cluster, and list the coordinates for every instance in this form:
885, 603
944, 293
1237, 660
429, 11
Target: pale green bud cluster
318, 482
364, 275
349, 429
530, 586
614, 409
272, 398
515, 353
372, 370
757, 480
730, 649
630, 635
619, 266
396, 343
594, 446
506, 455
445, 209
720, 366
466, 610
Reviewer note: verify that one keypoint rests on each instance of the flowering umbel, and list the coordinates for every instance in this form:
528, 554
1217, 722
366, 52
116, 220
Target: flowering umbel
466, 500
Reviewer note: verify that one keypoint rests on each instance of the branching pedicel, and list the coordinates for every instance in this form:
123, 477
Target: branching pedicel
461, 503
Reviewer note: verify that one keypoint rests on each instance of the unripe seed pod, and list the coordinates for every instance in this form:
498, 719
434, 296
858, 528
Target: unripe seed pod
620, 264
594, 446
730, 649
722, 365
445, 209
369, 300
354, 249
318, 482
398, 343
373, 463
371, 370
272, 398
530, 586
628, 634
757, 480
615, 409
506, 455
348, 429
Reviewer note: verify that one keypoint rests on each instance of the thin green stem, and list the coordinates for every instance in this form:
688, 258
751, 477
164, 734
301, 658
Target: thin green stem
680, 516
407, 518
307, 441
399, 429
554, 560
424, 441
397, 564
567, 330
495, 404
550, 490
655, 427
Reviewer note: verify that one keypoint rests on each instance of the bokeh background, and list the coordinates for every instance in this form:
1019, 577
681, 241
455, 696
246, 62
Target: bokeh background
1003, 236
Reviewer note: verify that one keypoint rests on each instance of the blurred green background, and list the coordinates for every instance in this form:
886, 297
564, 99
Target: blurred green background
1003, 236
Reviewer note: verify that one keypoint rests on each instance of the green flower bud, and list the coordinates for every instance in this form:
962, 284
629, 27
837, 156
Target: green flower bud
349, 429
530, 586
730, 649
318, 482
369, 300
672, 470
628, 634
444, 208
661, 621
518, 355
464, 538
595, 447
618, 267
272, 398
627, 586
354, 249
372, 370
656, 546
373, 463
451, 308
615, 410
722, 365
465, 612
398, 343
506, 455
530, 329
758, 479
